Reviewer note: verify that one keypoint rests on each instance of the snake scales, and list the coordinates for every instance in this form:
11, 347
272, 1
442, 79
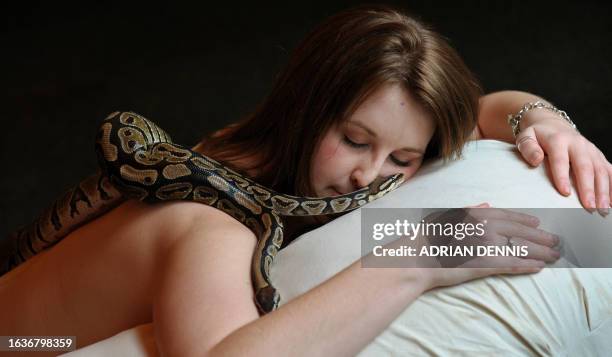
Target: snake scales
138, 160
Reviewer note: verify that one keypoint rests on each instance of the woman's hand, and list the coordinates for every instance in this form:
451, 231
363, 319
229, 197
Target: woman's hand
501, 226
544, 132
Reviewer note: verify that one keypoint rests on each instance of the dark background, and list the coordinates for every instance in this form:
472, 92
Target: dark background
193, 68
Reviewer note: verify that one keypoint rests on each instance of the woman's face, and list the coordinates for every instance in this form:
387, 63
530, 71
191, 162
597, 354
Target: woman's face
387, 134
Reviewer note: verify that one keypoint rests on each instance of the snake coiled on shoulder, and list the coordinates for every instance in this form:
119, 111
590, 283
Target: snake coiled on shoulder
138, 160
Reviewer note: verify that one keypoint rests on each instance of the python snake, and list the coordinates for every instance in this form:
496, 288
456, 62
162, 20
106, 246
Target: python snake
139, 161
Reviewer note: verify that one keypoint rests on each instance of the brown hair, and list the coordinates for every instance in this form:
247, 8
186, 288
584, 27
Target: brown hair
330, 73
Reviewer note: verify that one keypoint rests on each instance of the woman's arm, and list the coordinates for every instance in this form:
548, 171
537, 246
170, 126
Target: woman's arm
544, 132
203, 305
494, 109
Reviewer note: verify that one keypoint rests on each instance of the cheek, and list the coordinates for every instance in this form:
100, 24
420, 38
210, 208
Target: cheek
328, 149
410, 171
327, 161
320, 160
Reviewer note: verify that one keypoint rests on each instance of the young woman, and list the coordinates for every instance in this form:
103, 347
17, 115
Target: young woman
370, 92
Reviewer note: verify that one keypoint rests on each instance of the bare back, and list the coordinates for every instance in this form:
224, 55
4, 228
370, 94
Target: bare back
99, 280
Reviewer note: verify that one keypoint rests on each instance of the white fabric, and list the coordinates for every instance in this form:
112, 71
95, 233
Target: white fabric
556, 312
138, 341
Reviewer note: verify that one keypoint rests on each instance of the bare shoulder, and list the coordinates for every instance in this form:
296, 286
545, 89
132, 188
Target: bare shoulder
195, 231
186, 220
204, 290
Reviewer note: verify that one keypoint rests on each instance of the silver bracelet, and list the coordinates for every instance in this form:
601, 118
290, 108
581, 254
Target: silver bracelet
515, 119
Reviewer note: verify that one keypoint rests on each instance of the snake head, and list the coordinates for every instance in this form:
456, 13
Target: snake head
383, 185
267, 299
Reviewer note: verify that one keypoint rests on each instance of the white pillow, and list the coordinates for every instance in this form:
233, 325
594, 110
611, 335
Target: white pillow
555, 312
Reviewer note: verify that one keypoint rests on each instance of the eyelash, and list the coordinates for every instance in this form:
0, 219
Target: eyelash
355, 145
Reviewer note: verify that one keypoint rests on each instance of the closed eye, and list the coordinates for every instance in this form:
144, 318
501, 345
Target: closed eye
395, 161
400, 163
351, 143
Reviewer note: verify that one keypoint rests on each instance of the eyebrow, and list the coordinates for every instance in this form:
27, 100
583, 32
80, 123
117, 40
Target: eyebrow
373, 134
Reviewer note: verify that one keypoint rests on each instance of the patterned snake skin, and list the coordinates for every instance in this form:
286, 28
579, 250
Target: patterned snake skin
138, 160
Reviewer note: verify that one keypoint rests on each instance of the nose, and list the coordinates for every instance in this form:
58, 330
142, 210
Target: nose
366, 172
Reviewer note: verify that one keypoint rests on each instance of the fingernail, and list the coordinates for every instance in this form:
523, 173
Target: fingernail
591, 202
566, 189
556, 254
603, 210
556, 239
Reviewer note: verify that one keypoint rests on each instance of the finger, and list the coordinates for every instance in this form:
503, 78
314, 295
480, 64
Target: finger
522, 266
582, 168
514, 229
502, 265
602, 189
527, 144
558, 159
471, 271
610, 179
534, 250
482, 205
602, 181
505, 214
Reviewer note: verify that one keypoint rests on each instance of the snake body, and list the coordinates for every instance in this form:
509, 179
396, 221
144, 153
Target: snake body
138, 160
